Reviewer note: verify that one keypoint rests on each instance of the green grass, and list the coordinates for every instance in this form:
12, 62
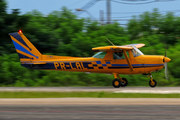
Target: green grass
83, 94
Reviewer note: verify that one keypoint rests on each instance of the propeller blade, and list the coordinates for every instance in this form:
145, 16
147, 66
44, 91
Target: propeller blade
165, 64
166, 70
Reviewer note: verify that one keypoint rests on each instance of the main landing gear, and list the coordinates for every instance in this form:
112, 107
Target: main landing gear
119, 82
152, 82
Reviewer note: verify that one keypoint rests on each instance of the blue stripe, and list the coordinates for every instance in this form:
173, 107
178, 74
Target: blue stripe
85, 64
19, 38
98, 62
119, 64
104, 65
152, 64
19, 47
124, 65
108, 62
137, 65
22, 56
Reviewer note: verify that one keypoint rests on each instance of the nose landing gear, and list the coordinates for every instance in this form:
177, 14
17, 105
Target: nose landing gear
152, 82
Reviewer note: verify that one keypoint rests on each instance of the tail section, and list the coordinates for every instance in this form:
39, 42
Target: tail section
25, 49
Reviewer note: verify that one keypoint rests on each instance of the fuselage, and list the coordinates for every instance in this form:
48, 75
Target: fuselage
141, 64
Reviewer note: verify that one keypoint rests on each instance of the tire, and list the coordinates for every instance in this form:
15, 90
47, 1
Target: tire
152, 84
125, 83
116, 83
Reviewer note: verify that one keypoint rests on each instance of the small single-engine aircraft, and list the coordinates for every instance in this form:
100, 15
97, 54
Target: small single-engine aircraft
126, 59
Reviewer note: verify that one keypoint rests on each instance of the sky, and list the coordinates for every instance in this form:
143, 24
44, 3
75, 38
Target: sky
119, 11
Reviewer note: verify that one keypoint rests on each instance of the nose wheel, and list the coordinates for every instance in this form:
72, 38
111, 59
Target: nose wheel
152, 82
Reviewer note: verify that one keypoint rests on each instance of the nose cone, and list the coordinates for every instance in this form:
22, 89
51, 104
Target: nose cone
166, 59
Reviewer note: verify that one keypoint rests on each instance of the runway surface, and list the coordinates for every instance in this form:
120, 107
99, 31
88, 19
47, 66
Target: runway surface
91, 108
89, 112
89, 101
162, 90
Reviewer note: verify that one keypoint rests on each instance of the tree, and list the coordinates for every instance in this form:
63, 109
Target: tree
3, 7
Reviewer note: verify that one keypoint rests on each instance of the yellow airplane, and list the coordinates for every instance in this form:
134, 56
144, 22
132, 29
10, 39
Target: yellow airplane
126, 59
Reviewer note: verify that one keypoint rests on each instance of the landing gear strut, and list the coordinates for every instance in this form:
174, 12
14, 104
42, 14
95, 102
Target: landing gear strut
119, 82
152, 82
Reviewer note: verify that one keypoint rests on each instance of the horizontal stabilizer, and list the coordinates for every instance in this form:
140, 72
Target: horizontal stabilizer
35, 63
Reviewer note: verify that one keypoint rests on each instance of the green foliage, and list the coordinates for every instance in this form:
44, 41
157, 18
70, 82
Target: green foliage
101, 94
62, 33
2, 7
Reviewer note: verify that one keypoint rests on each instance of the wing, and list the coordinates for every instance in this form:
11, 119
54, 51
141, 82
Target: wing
112, 48
136, 45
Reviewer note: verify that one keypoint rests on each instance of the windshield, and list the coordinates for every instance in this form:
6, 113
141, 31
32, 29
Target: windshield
136, 52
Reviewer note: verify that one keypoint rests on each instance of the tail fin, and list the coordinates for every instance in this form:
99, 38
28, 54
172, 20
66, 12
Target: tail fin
25, 49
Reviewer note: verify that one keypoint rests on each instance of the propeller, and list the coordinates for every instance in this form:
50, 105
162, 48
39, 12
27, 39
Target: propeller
166, 71
165, 63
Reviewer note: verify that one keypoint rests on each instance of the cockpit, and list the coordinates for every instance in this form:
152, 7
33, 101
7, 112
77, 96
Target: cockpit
119, 54
100, 55
136, 52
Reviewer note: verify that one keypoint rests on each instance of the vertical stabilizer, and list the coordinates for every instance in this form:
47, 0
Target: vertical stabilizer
25, 49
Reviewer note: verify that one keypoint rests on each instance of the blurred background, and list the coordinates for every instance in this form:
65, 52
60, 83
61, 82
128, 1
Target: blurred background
72, 28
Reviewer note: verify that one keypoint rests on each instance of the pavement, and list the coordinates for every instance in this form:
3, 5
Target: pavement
161, 90
91, 108
89, 101
89, 112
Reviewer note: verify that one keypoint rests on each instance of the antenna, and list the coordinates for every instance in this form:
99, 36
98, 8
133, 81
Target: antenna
110, 41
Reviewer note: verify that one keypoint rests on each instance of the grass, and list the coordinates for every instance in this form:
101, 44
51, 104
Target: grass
84, 94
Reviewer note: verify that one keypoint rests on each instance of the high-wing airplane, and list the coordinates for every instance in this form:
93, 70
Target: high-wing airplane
126, 59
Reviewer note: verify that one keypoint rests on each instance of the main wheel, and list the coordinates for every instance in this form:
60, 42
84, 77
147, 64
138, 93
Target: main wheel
116, 83
152, 84
124, 83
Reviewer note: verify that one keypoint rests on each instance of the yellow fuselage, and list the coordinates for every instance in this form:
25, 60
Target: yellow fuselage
141, 64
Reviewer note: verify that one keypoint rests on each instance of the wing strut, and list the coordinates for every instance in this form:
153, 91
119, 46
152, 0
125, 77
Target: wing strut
128, 61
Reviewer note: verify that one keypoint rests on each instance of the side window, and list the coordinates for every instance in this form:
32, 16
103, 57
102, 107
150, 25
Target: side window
99, 55
119, 55
135, 53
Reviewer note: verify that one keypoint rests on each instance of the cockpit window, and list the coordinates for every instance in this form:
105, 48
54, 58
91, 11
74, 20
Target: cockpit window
136, 52
100, 55
119, 55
